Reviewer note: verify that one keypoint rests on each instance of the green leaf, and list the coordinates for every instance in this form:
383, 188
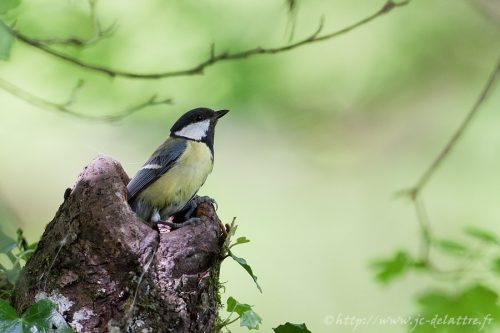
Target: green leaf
247, 268
41, 309
291, 328
482, 235
22, 244
248, 317
6, 41
451, 247
234, 306
475, 301
41, 317
6, 5
7, 243
44, 317
9, 319
240, 240
389, 269
25, 255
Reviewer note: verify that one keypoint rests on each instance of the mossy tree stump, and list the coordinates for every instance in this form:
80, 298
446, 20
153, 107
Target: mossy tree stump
109, 271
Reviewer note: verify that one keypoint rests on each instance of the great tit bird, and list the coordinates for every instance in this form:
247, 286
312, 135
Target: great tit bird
170, 178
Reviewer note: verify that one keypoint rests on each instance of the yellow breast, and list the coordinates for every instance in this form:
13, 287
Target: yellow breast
174, 189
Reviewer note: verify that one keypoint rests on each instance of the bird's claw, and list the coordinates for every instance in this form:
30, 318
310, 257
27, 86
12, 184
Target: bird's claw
173, 225
187, 216
205, 198
195, 202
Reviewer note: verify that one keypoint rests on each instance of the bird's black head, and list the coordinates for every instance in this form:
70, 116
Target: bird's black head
198, 125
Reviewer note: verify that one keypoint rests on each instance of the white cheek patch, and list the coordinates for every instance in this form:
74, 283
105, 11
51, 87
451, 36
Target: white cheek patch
195, 131
151, 166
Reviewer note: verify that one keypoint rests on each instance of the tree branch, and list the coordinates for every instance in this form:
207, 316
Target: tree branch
425, 231
414, 191
66, 106
213, 59
98, 33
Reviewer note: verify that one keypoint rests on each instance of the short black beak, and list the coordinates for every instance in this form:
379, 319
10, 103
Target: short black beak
220, 113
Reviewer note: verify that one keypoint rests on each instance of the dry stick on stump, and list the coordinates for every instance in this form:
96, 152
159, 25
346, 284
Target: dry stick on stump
109, 271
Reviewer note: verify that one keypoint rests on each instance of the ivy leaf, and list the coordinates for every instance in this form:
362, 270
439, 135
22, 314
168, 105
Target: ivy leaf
7, 243
451, 247
247, 268
9, 319
240, 240
482, 235
475, 301
248, 317
44, 318
25, 255
6, 5
6, 41
41, 317
234, 306
291, 328
389, 269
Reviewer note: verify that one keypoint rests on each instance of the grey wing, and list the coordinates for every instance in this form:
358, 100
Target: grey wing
159, 163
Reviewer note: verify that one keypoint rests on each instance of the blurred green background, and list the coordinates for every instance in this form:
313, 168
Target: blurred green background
317, 142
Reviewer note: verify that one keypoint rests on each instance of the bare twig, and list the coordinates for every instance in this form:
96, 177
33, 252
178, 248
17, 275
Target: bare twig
65, 107
74, 93
213, 59
425, 231
414, 191
428, 241
98, 33
292, 8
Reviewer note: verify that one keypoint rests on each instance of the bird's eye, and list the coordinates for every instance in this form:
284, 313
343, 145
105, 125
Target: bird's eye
198, 118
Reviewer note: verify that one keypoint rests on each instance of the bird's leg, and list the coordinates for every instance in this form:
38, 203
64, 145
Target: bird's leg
174, 225
155, 216
156, 220
193, 204
187, 214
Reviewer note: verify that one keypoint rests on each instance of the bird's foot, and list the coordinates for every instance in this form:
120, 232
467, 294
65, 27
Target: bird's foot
193, 204
156, 222
173, 225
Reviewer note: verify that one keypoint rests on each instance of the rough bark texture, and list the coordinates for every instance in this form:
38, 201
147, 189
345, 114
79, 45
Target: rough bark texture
109, 271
